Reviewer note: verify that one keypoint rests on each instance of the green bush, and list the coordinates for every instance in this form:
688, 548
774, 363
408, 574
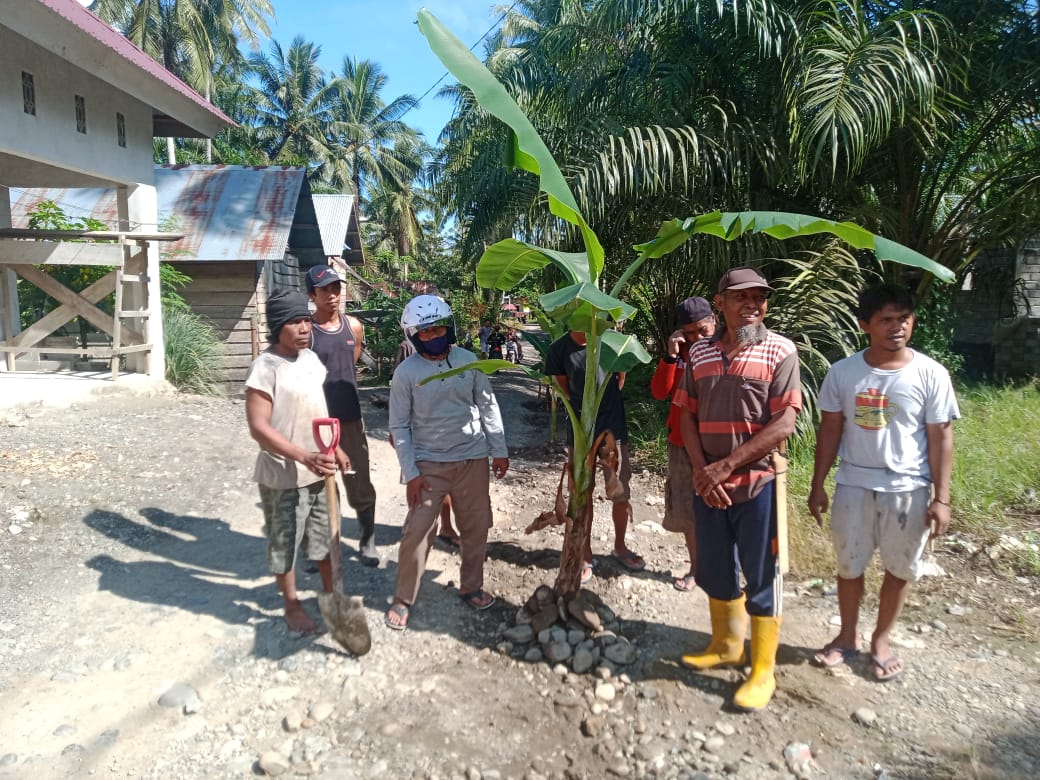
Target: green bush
194, 353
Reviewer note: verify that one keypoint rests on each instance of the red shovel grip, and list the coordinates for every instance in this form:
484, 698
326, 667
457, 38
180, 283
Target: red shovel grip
323, 426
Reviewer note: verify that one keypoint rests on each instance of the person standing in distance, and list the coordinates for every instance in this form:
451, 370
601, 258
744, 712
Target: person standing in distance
738, 400
336, 338
443, 433
888, 411
696, 322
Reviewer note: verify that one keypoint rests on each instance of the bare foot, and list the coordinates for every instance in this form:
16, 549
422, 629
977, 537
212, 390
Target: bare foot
298, 620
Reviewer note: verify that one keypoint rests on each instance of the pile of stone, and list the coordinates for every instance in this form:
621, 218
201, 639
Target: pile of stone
581, 632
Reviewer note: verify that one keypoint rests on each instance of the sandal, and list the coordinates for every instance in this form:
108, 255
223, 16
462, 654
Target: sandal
401, 611
834, 655
888, 668
629, 560
478, 599
685, 583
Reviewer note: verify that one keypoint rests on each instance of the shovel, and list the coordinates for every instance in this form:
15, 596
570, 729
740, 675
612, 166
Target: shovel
345, 617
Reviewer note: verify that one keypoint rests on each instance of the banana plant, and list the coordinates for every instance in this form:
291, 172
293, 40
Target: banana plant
581, 304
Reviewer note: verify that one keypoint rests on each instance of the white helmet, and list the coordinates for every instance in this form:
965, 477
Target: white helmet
424, 311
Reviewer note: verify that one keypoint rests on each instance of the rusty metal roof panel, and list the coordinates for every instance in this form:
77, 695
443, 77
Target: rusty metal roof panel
228, 212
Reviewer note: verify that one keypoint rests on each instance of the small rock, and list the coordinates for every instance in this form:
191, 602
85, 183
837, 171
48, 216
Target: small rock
714, 744
273, 763
558, 651
649, 692
957, 610
321, 710
521, 634
938, 625
73, 750
14, 529
963, 730
64, 730
583, 661
575, 637
799, 759
180, 696
619, 770
8, 758
534, 655
593, 725
865, 716
725, 729
606, 692
620, 653
292, 721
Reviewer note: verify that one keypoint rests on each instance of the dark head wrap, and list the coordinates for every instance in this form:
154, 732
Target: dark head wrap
285, 306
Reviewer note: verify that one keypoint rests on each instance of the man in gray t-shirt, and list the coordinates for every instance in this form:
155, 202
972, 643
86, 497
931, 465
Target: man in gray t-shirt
443, 433
887, 412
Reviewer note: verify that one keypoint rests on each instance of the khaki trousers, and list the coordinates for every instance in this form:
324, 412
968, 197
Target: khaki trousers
467, 482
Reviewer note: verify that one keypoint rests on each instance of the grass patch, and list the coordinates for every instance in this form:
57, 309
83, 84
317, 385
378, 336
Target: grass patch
194, 353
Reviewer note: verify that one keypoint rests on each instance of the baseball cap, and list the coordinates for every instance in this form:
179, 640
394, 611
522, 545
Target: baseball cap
692, 310
321, 276
742, 278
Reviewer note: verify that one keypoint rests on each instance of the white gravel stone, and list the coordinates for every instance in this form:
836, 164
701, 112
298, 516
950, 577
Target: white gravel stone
606, 692
321, 710
274, 763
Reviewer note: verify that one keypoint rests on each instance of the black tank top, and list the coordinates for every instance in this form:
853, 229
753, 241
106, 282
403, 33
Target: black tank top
336, 350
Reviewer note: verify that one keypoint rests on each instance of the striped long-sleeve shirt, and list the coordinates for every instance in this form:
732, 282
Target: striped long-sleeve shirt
732, 399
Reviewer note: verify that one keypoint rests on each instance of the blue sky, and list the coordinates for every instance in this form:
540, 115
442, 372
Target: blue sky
385, 31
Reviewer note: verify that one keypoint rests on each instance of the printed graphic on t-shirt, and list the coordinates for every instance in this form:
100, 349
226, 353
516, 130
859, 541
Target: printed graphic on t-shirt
873, 409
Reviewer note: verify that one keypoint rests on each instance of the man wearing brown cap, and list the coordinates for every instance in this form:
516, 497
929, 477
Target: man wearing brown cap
336, 339
738, 401
696, 322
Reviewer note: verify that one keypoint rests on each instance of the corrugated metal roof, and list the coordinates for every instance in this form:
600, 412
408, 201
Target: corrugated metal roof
229, 212
226, 212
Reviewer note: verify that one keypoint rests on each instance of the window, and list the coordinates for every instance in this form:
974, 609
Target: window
28, 94
81, 114
121, 129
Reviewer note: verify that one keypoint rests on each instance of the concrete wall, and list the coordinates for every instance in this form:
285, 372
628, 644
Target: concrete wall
997, 325
50, 137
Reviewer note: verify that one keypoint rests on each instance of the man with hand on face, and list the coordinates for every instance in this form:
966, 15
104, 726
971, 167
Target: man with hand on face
738, 401
283, 397
888, 412
443, 432
696, 322
336, 339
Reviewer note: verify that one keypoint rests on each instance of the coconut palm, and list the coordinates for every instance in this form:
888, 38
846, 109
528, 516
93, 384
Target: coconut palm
191, 38
291, 114
373, 145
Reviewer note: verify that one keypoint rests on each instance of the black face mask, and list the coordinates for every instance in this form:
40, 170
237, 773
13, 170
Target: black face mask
434, 347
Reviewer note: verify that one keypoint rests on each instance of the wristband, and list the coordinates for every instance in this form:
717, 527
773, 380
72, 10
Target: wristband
940, 501
670, 360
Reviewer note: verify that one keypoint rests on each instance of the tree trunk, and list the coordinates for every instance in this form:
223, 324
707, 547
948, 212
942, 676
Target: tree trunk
572, 556
171, 151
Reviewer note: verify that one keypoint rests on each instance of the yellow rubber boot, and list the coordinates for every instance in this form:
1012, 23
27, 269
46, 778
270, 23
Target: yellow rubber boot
761, 683
728, 628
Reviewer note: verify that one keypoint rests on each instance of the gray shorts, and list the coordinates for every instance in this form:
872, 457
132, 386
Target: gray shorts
678, 491
895, 523
296, 519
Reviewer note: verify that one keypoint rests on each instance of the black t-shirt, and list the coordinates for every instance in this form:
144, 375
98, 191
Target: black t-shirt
336, 350
567, 358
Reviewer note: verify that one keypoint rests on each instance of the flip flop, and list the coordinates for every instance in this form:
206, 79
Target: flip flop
451, 541
685, 583
887, 669
401, 610
827, 658
479, 599
629, 560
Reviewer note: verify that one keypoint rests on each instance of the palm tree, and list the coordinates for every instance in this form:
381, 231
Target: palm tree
290, 112
374, 145
192, 39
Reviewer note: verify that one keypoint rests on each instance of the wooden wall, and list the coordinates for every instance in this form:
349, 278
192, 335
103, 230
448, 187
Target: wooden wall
225, 295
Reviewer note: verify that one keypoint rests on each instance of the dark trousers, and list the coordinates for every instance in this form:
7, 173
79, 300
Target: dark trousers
741, 538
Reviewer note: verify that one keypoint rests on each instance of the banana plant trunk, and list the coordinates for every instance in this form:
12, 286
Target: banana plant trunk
580, 508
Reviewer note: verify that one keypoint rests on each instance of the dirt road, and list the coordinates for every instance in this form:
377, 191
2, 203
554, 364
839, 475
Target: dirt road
140, 635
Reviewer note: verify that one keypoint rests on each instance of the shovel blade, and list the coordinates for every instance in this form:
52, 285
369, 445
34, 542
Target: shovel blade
345, 618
